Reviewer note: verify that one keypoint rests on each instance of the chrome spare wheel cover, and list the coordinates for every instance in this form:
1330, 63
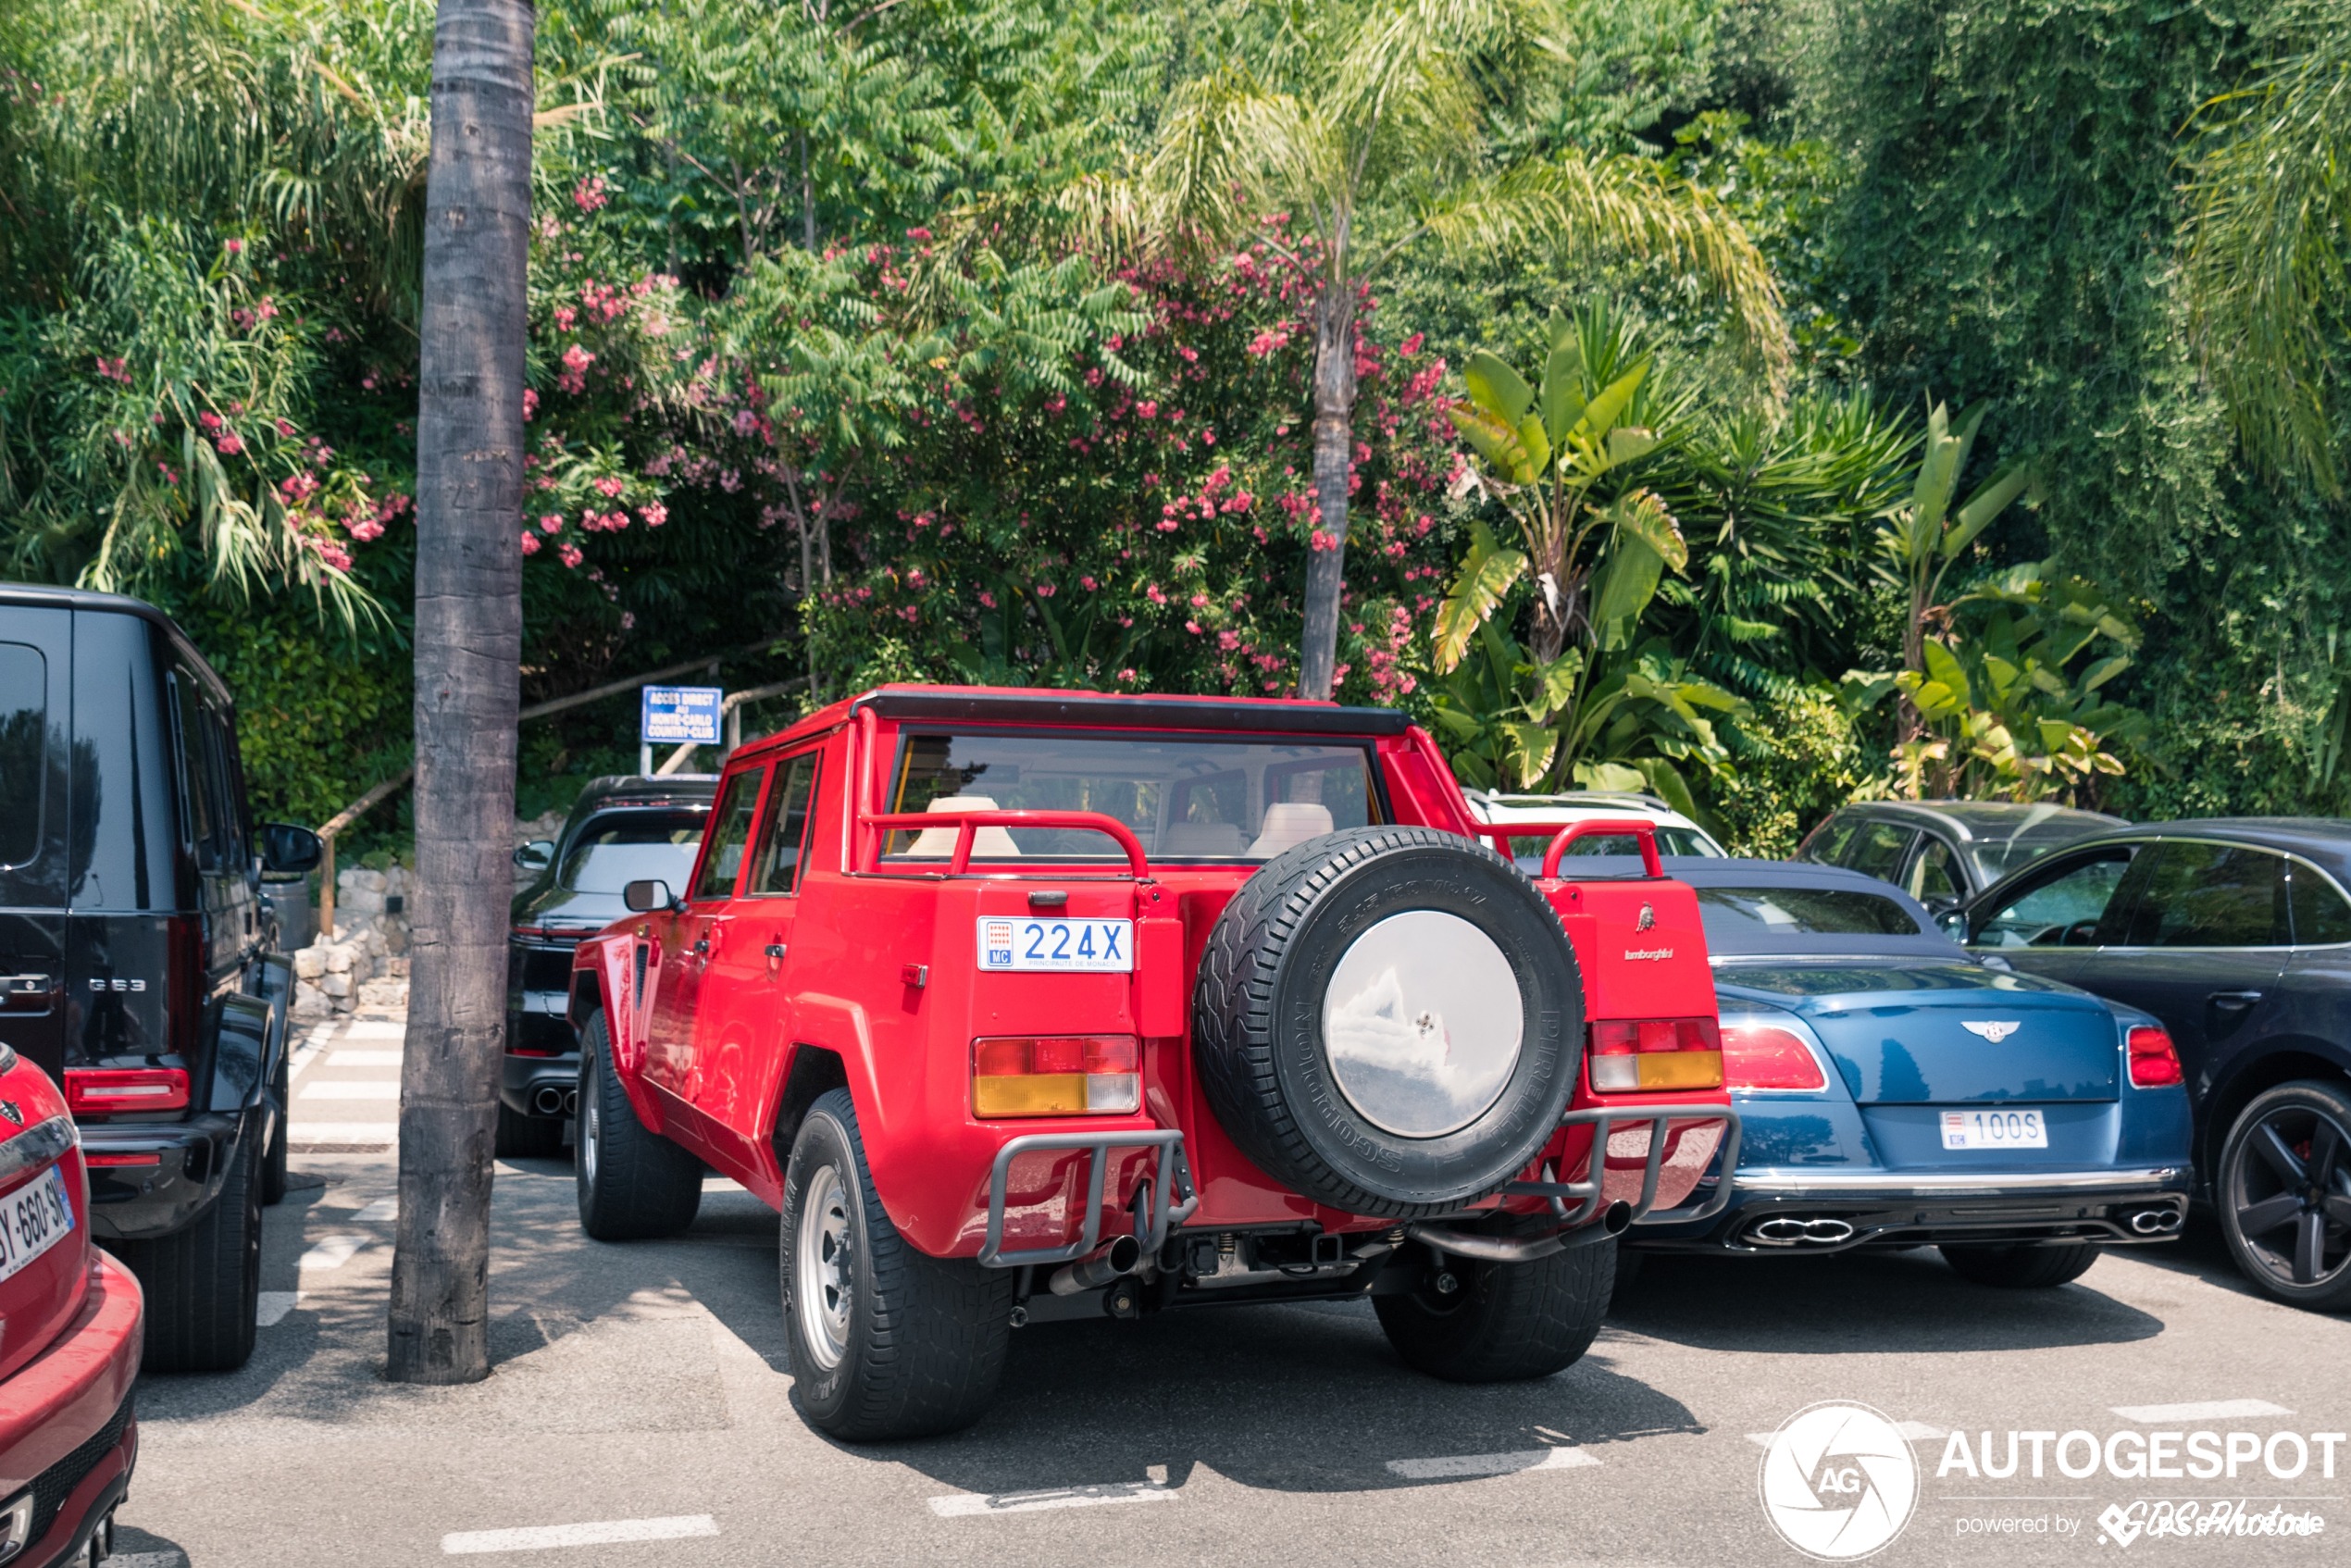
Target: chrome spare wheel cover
821, 1279
1422, 1024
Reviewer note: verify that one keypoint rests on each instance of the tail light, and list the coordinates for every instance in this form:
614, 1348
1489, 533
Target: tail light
1766, 1056
1650, 1053
1057, 1076
110, 1092
2154, 1063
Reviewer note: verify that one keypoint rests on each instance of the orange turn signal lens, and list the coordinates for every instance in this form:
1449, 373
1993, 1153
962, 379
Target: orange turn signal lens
1057, 1076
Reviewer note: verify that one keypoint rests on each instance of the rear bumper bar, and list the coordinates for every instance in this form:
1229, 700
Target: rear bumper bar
176, 1170
1788, 1181
1576, 1226
1835, 1212
1153, 1217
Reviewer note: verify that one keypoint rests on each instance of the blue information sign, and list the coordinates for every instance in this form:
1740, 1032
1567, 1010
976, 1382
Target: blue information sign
673, 715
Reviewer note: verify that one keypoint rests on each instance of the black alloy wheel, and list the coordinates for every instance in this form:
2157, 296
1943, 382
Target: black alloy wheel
2286, 1193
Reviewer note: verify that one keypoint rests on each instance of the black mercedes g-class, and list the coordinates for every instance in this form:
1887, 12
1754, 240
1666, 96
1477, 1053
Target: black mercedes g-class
137, 961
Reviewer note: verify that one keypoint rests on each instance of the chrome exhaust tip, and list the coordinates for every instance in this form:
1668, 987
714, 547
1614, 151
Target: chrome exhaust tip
547, 1100
1111, 1261
1618, 1218
2156, 1222
571, 1103
1792, 1230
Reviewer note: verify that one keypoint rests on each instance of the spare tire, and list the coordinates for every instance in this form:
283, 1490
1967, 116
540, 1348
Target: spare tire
1388, 1020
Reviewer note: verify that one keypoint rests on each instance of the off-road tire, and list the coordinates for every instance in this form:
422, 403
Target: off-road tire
1502, 1323
926, 1337
203, 1284
276, 1163
634, 1184
2021, 1267
2316, 1100
1258, 1031
528, 1138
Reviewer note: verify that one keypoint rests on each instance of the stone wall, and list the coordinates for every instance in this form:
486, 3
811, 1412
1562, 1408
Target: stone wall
364, 962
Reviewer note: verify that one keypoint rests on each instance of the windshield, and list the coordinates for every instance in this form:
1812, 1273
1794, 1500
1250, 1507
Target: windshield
612, 852
1739, 914
1186, 800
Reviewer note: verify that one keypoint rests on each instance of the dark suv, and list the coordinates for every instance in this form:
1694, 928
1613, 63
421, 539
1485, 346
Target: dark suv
137, 956
620, 829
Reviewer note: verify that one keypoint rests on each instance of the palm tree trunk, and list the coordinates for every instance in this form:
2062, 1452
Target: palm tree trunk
468, 640
1333, 454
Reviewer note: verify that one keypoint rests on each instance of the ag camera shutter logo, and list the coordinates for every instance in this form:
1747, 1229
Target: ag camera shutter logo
1839, 1481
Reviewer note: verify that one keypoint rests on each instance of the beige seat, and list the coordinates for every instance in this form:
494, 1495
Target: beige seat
1215, 841
1287, 824
939, 843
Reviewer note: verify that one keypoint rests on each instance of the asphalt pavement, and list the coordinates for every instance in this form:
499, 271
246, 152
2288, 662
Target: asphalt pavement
640, 1412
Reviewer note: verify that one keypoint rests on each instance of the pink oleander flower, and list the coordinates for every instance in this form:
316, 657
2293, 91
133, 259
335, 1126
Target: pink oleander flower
654, 513
529, 542
551, 523
230, 443
571, 553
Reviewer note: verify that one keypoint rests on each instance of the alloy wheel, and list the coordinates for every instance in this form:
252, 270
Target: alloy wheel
2290, 1195
822, 1281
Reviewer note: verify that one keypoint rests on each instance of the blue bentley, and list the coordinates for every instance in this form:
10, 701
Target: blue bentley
1896, 1091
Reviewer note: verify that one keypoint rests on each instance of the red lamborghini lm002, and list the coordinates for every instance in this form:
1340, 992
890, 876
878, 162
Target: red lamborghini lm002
1023, 1004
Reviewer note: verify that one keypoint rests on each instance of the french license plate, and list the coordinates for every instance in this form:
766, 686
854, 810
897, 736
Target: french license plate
1994, 1129
1087, 946
33, 1218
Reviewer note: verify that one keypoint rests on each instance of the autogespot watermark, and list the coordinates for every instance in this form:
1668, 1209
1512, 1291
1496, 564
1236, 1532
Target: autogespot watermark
1840, 1482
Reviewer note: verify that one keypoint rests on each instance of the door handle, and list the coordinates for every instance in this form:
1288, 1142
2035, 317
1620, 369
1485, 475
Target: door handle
2234, 1001
774, 958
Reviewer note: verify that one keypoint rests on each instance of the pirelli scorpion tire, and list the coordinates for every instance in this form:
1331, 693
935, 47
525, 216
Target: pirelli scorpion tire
885, 1341
1389, 1019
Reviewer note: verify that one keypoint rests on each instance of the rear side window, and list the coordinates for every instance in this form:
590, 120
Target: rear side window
2213, 895
775, 866
1827, 844
2321, 917
1934, 874
1740, 914
24, 726
1878, 849
612, 852
729, 836
199, 803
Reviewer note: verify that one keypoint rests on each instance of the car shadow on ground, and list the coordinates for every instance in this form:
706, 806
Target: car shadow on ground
1862, 1302
1305, 1398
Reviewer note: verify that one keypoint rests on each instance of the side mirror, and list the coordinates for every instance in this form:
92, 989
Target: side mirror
643, 896
536, 855
287, 851
1953, 921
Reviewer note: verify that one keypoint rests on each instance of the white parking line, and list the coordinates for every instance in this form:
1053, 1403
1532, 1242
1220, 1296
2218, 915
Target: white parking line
2208, 1410
1912, 1432
269, 1310
1449, 1466
373, 1091
540, 1537
174, 1558
332, 1252
366, 1058
381, 1209
368, 1028
384, 1133
965, 1504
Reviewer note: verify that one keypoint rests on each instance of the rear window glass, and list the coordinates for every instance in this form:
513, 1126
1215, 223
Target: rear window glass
612, 852
24, 710
1185, 800
1742, 913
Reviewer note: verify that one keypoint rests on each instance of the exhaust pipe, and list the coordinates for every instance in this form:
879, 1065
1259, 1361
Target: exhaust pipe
1789, 1230
2156, 1222
548, 1100
571, 1103
1108, 1261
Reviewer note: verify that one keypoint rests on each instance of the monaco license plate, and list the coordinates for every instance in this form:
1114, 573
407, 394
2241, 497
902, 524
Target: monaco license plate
1087, 946
33, 1218
1994, 1129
